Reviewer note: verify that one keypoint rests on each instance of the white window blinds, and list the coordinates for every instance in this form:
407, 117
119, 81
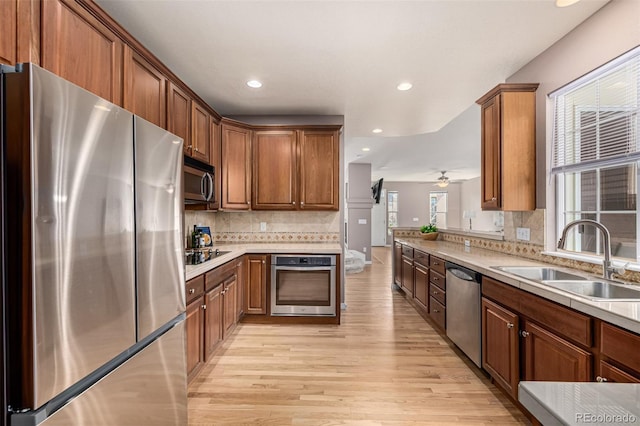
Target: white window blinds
596, 118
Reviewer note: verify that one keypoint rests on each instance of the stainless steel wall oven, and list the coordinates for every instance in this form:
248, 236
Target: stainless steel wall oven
303, 285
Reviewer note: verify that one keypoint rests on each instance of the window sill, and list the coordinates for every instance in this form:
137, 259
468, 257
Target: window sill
596, 260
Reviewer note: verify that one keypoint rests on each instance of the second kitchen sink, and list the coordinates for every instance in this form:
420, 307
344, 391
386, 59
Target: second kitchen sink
597, 290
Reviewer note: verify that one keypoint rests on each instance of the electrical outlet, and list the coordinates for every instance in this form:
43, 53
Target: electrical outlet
467, 243
523, 234
364, 249
263, 226
416, 219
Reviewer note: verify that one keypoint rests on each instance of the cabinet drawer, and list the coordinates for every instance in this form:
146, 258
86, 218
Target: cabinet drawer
437, 279
437, 312
437, 264
437, 293
613, 374
421, 258
407, 251
620, 345
194, 288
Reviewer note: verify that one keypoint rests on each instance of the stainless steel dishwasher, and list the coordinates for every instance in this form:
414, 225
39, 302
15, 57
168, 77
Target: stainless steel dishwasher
463, 310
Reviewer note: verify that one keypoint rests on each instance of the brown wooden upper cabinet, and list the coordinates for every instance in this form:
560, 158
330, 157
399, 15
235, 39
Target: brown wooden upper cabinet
144, 88
295, 169
179, 115
274, 170
319, 169
78, 48
509, 147
236, 167
200, 133
8, 32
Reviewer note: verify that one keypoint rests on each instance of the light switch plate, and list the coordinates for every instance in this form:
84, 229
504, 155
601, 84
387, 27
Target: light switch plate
523, 234
416, 219
263, 226
467, 243
362, 221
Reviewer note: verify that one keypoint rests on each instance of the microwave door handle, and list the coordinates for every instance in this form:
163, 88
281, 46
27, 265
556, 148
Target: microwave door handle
211, 188
203, 185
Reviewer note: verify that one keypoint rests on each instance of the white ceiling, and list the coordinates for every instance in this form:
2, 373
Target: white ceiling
347, 57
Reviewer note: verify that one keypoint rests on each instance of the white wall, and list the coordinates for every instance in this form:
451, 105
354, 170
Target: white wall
470, 201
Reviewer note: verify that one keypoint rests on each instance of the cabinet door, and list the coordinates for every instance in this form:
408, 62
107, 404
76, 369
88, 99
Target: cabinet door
319, 170
397, 263
78, 48
215, 156
255, 293
193, 326
230, 304
491, 155
8, 32
422, 286
213, 321
236, 170
274, 170
407, 275
548, 357
500, 345
179, 115
144, 89
200, 133
609, 373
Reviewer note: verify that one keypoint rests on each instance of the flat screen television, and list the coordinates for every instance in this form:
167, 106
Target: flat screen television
376, 190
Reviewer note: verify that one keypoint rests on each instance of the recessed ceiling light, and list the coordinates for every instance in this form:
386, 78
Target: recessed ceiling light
405, 86
366, 149
377, 130
565, 3
254, 84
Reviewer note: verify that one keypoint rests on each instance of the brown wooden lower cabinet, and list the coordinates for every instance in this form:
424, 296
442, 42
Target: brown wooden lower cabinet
612, 374
548, 357
421, 291
230, 314
407, 275
255, 285
438, 312
212, 321
500, 345
194, 325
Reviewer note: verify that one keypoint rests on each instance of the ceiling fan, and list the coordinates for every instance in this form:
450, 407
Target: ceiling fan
443, 181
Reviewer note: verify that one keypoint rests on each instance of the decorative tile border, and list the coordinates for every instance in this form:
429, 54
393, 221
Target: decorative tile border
288, 237
520, 249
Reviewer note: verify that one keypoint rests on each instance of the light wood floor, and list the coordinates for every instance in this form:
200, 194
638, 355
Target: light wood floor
384, 365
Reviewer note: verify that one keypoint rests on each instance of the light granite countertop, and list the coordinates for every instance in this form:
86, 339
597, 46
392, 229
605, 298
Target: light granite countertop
555, 403
623, 314
238, 249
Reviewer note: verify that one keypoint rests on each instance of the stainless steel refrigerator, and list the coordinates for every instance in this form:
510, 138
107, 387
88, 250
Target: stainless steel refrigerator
94, 265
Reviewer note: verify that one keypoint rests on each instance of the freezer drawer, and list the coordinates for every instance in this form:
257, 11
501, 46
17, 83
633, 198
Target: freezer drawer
148, 389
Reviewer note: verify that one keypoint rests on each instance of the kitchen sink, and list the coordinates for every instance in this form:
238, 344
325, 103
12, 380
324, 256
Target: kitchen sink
540, 273
597, 290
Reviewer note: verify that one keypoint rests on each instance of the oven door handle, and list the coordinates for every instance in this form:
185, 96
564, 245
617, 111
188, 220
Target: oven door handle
303, 268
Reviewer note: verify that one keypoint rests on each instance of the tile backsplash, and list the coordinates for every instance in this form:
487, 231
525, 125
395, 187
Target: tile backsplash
321, 227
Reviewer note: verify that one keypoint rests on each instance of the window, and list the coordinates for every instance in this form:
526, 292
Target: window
438, 209
392, 211
596, 156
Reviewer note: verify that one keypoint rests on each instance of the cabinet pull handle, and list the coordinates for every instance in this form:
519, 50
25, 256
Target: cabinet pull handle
192, 290
600, 379
524, 333
509, 325
204, 307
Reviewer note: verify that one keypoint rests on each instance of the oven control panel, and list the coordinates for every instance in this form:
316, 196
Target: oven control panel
294, 260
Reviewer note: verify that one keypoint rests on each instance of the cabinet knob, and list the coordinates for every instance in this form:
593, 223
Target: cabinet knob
263, 262
248, 202
436, 311
435, 292
196, 149
601, 379
294, 203
192, 290
302, 203
509, 325
524, 333
493, 199
204, 307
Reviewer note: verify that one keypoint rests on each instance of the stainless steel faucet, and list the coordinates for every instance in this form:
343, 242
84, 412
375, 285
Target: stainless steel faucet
607, 268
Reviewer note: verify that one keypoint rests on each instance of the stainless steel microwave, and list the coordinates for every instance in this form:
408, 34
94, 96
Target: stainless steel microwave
199, 184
